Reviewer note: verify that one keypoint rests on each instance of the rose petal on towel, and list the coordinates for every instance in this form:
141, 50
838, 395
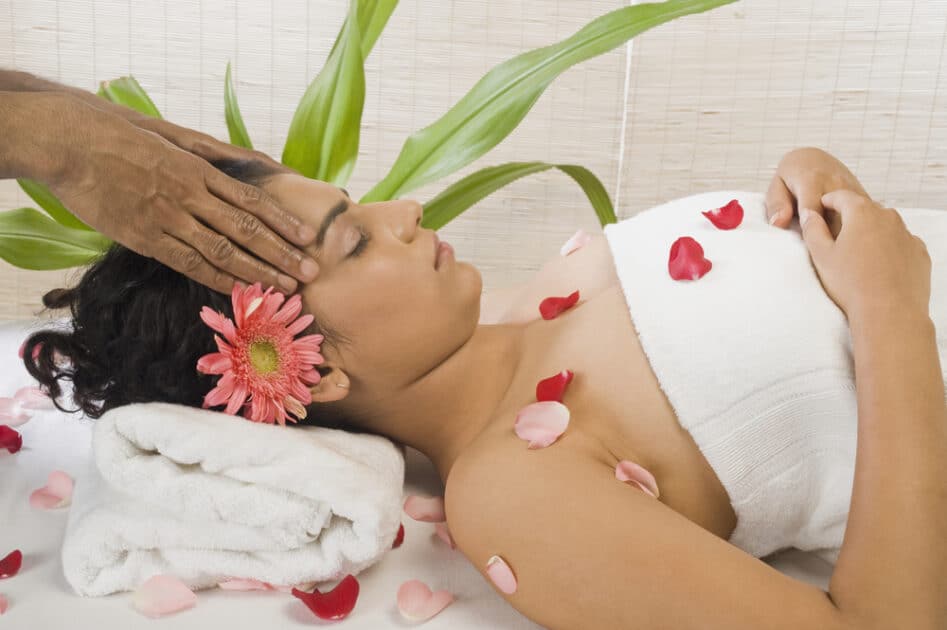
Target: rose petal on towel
576, 241
441, 531
239, 584
553, 387
163, 595
427, 509
33, 398
541, 423
335, 604
687, 260
551, 307
399, 538
11, 564
501, 574
726, 217
4, 604
10, 439
416, 602
12, 413
56, 493
627, 470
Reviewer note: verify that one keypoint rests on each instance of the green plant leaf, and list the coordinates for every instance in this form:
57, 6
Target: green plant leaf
127, 91
43, 196
238, 132
500, 100
31, 240
372, 17
324, 134
463, 194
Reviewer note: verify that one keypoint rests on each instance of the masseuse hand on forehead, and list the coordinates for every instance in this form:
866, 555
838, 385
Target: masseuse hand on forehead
148, 184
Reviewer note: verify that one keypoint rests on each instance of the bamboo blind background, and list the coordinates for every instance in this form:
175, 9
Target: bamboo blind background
707, 102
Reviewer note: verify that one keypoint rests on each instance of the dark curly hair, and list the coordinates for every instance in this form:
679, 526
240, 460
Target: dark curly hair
136, 335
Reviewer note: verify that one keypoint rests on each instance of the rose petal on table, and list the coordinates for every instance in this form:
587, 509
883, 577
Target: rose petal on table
552, 307
4, 604
334, 604
554, 387
501, 574
726, 217
10, 439
427, 509
162, 595
33, 398
441, 531
541, 423
627, 470
12, 412
56, 493
576, 241
239, 584
416, 602
399, 538
687, 261
11, 563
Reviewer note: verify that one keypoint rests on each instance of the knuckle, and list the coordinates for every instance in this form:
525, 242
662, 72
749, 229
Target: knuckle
247, 225
251, 194
222, 249
186, 260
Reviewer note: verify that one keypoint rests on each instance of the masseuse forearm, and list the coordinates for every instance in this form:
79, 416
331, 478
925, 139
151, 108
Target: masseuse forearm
37, 130
892, 567
15, 81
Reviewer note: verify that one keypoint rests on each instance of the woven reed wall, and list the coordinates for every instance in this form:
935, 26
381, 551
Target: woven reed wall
708, 102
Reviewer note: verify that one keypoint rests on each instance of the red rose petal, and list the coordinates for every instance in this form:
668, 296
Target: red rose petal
551, 307
726, 217
335, 604
11, 564
553, 387
10, 439
687, 260
399, 538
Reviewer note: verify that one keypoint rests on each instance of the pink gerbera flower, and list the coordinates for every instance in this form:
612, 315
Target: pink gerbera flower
264, 369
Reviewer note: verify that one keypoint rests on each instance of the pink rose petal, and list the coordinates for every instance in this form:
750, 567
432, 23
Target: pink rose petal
501, 574
687, 261
33, 398
416, 602
441, 531
541, 423
726, 217
12, 412
627, 470
56, 493
427, 509
163, 595
4, 604
576, 241
245, 585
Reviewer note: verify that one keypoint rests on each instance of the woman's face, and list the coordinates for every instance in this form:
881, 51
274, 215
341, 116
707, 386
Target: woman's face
377, 284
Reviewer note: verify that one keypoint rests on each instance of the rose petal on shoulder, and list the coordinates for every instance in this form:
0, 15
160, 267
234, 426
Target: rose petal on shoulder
162, 595
427, 509
576, 241
416, 601
627, 470
541, 423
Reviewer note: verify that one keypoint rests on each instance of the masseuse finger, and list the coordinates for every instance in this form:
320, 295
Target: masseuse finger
220, 251
778, 202
188, 261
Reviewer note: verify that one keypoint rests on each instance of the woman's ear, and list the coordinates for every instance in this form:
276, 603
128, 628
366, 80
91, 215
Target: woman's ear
334, 385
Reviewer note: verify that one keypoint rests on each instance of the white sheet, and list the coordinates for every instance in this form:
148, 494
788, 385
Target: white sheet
40, 598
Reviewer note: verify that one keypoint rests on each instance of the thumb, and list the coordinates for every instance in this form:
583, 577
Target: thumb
815, 232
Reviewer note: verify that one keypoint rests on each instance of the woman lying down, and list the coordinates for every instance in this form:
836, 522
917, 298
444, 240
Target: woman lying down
691, 399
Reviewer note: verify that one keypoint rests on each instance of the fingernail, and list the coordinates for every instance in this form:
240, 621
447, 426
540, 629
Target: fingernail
288, 284
772, 219
308, 268
306, 233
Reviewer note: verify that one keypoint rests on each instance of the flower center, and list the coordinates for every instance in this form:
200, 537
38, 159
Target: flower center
263, 356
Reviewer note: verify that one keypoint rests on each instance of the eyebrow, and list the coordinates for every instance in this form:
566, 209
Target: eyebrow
341, 206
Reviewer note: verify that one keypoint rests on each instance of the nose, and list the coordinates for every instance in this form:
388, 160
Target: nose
409, 214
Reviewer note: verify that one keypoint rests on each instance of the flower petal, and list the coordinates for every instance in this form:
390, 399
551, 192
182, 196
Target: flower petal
33, 398
4, 604
552, 388
726, 217
289, 310
427, 509
399, 538
216, 320
11, 563
12, 412
416, 602
551, 307
577, 240
687, 261
245, 585
627, 470
214, 363
56, 493
237, 398
541, 423
335, 604
300, 324
440, 529
501, 574
163, 595
10, 439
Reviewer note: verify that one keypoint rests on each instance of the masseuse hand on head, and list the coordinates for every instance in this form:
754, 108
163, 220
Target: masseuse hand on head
146, 184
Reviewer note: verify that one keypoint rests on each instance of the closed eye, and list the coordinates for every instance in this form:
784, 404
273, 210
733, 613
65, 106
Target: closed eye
362, 242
